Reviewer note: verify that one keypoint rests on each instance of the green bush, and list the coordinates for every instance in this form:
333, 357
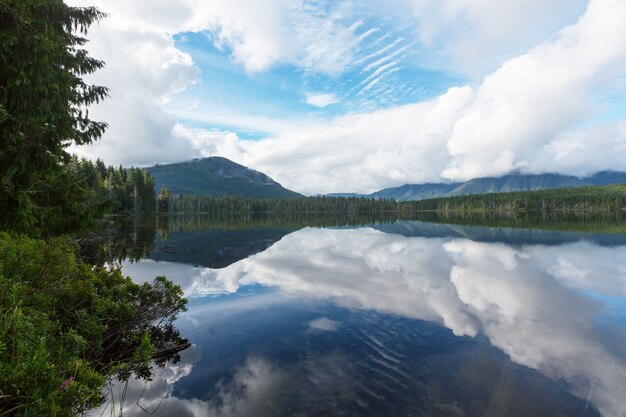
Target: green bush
66, 326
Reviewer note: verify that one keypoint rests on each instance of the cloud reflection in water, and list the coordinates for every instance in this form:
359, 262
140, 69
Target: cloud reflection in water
531, 301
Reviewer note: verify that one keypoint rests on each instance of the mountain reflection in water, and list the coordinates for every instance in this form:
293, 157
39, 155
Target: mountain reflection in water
411, 319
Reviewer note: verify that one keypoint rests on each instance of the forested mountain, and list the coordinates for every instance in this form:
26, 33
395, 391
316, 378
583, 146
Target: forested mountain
607, 177
506, 183
409, 192
517, 182
217, 176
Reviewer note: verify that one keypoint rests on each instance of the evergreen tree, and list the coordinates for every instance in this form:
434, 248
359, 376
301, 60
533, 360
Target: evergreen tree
163, 202
43, 107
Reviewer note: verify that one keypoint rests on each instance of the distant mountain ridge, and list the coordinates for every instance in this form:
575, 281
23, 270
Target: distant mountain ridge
217, 176
511, 182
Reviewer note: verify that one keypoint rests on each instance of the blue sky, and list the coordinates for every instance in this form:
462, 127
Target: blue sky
385, 73
344, 95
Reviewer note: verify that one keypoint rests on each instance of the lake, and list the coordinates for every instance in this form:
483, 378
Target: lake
395, 318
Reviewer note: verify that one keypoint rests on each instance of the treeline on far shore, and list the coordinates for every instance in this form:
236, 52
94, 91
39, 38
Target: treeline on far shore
600, 198
118, 190
191, 203
584, 199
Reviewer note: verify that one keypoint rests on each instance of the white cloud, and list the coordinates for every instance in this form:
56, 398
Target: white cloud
143, 70
477, 35
532, 98
258, 34
321, 100
584, 150
264, 33
214, 115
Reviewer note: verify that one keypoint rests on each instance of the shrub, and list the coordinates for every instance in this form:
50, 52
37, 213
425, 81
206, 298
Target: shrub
66, 326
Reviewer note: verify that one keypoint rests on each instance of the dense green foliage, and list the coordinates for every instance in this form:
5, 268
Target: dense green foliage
43, 101
117, 190
65, 325
85, 191
43, 108
189, 203
217, 176
594, 198
61, 318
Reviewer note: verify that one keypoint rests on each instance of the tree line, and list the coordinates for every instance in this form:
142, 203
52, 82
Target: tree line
191, 203
118, 190
584, 199
575, 200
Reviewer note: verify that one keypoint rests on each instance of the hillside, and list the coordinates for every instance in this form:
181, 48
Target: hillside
409, 192
506, 183
217, 176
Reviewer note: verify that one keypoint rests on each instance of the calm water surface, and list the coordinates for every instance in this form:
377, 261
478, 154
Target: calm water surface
399, 319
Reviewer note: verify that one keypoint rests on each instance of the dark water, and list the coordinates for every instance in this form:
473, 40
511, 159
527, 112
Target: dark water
396, 319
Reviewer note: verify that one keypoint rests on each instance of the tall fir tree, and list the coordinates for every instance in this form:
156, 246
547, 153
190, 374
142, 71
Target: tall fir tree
43, 109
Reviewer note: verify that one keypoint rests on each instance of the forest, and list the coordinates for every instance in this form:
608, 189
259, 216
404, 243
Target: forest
575, 200
192, 203
118, 190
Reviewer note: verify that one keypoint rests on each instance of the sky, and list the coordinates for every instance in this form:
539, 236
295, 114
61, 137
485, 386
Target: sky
354, 96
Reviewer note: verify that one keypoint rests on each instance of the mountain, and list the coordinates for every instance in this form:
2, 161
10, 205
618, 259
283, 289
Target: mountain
344, 195
512, 182
607, 177
416, 191
217, 176
516, 182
